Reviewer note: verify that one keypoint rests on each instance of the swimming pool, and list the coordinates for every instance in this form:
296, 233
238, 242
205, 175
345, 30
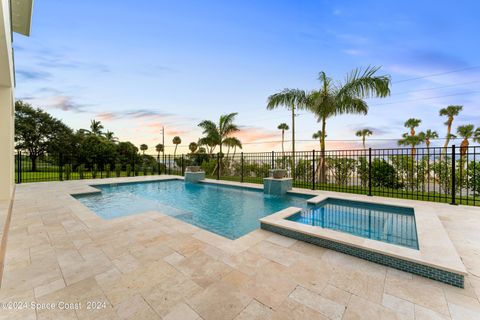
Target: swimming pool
228, 211
391, 224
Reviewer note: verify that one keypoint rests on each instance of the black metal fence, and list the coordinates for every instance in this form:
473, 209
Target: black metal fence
449, 175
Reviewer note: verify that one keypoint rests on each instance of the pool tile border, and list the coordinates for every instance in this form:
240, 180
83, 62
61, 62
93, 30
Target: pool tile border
451, 278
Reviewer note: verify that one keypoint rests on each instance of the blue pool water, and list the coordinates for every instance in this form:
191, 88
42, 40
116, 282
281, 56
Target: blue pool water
385, 223
228, 211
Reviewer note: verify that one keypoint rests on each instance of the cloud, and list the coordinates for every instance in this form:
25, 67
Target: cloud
133, 114
60, 102
355, 52
32, 75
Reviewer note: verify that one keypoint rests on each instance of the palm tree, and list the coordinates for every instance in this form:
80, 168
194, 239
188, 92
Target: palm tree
144, 148
283, 127
450, 112
232, 142
96, 127
364, 133
110, 137
291, 99
159, 148
476, 135
429, 135
176, 141
215, 134
210, 142
412, 123
413, 141
193, 146
318, 135
334, 99
466, 132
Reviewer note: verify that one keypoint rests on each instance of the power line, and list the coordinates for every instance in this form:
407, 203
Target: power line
437, 74
434, 88
427, 98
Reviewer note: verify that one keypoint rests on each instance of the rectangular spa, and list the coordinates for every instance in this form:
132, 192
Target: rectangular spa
225, 210
391, 224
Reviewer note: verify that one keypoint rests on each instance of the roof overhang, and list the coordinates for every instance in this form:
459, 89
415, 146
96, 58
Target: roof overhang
22, 16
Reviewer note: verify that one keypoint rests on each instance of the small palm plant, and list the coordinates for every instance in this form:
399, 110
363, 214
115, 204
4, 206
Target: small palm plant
176, 141
430, 135
159, 148
364, 133
411, 124
318, 135
284, 127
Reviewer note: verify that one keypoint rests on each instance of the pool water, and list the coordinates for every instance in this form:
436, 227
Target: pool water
228, 211
385, 223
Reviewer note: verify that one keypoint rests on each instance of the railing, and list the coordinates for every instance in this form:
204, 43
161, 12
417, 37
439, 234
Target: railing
449, 175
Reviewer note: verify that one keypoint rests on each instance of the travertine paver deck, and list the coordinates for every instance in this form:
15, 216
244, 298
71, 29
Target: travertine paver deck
152, 266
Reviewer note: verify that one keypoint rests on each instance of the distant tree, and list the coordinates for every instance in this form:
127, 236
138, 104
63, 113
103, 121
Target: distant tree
363, 133
159, 148
143, 148
96, 127
193, 146
318, 135
283, 127
176, 141
411, 124
412, 141
36, 131
109, 136
466, 132
450, 112
232, 142
429, 135
476, 135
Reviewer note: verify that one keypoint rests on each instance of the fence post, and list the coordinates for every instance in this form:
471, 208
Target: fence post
169, 164
454, 186
313, 169
218, 166
370, 171
19, 166
183, 167
60, 167
241, 166
273, 159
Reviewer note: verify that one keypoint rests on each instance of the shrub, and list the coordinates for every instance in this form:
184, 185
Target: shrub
81, 171
341, 169
68, 171
118, 170
107, 170
410, 170
94, 171
384, 175
362, 171
145, 170
443, 175
129, 170
137, 170
473, 169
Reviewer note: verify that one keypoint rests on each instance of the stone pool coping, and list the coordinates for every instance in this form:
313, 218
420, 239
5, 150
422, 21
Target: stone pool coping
435, 247
436, 250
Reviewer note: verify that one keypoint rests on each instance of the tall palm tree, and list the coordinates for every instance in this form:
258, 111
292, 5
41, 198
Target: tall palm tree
96, 127
176, 141
466, 132
283, 127
346, 97
193, 146
450, 112
159, 148
411, 124
144, 148
412, 141
215, 134
364, 133
292, 99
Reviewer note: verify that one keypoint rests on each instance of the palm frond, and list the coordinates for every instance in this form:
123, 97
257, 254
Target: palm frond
364, 83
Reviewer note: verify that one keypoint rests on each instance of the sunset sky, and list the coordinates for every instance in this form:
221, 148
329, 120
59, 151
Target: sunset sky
140, 65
